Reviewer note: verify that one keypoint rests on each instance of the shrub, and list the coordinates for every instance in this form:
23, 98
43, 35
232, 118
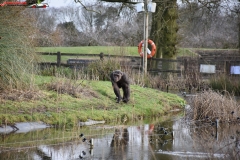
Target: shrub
225, 82
101, 69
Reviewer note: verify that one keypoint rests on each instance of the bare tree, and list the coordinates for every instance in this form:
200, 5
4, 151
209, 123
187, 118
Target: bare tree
207, 24
109, 24
46, 21
234, 8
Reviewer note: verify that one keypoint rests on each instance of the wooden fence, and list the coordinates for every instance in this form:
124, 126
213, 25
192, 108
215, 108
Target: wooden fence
222, 64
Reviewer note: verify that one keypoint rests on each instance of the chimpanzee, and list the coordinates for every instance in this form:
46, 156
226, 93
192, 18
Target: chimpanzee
120, 80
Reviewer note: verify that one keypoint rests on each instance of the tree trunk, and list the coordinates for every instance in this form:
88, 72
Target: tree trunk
164, 31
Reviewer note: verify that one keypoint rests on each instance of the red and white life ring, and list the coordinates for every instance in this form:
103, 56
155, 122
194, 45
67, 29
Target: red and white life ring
151, 53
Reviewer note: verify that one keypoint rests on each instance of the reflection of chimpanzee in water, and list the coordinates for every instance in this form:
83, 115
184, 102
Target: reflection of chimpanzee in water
120, 139
120, 80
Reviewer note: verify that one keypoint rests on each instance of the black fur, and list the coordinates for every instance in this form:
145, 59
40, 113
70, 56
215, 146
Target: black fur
120, 80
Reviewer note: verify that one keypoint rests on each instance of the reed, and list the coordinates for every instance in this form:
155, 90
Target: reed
210, 105
16, 50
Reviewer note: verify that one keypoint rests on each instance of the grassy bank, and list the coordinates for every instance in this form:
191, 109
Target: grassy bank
93, 100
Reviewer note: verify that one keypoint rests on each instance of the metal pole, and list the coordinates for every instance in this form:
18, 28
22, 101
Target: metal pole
146, 42
145, 36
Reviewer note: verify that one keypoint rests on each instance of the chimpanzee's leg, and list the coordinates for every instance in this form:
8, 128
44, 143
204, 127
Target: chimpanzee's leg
117, 92
126, 93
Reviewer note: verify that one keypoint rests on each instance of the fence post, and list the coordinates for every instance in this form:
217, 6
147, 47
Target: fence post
185, 67
58, 59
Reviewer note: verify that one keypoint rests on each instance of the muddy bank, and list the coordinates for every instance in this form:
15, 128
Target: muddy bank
24, 127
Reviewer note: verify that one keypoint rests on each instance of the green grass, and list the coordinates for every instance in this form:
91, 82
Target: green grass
213, 49
107, 50
111, 50
116, 50
185, 52
99, 104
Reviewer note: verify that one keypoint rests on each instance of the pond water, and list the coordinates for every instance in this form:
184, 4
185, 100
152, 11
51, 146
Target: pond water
168, 138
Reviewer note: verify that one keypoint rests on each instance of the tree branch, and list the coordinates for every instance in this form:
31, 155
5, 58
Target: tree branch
87, 9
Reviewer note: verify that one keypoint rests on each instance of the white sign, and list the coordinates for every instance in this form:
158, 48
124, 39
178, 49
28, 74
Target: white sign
136, 1
235, 70
140, 7
151, 7
206, 68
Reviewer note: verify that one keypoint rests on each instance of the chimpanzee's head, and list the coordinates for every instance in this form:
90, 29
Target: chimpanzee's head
117, 75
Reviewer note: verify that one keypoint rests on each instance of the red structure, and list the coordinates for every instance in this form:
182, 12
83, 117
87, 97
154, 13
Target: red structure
17, 3
13, 4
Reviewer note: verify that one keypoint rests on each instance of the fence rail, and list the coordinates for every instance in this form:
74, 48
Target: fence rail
183, 64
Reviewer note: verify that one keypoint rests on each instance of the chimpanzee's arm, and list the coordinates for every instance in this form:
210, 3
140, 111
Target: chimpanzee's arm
117, 91
116, 88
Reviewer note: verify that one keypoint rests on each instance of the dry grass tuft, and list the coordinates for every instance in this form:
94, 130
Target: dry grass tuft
71, 87
20, 95
210, 105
